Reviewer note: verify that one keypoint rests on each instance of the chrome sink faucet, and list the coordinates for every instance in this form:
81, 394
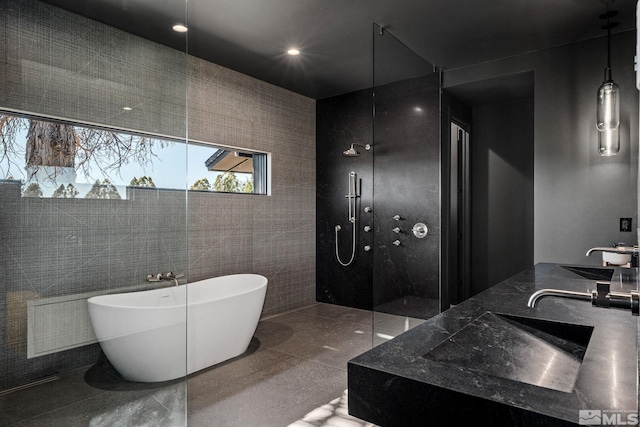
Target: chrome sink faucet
601, 297
631, 250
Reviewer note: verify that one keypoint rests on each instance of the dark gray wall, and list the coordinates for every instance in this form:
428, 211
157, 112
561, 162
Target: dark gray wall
579, 196
54, 63
501, 163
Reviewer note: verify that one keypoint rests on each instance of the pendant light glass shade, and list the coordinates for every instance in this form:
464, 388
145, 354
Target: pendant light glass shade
608, 106
608, 112
609, 142
608, 118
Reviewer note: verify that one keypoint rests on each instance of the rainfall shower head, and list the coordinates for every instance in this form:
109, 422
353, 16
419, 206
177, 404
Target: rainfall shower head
352, 152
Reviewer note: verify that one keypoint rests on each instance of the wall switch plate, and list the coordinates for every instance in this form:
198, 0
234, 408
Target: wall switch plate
625, 224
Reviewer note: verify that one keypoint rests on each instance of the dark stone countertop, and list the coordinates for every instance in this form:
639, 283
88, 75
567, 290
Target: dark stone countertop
493, 373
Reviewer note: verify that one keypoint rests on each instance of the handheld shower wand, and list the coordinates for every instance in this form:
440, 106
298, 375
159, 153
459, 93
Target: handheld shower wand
352, 195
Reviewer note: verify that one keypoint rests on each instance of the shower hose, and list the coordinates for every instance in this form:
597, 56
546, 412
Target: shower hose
351, 183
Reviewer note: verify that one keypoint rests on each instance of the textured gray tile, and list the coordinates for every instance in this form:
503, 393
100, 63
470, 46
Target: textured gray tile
70, 388
297, 334
266, 386
158, 407
276, 395
60, 247
241, 372
337, 312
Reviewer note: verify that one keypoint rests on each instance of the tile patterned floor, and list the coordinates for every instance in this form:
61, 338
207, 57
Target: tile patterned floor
296, 363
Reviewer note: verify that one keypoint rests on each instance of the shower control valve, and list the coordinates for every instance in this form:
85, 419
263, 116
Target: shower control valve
367, 209
397, 217
397, 243
367, 228
420, 230
367, 248
396, 230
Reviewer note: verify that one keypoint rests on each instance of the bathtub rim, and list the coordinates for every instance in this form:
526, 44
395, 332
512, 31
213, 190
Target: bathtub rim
264, 282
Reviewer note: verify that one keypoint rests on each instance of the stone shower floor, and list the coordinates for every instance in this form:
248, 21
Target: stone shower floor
296, 362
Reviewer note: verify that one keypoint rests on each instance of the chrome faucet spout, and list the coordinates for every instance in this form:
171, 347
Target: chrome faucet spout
604, 249
536, 296
631, 250
601, 297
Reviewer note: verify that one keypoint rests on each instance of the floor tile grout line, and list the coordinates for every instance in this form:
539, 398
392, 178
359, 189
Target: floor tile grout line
84, 399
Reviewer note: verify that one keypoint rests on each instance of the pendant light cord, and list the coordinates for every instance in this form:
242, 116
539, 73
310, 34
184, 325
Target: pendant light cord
608, 26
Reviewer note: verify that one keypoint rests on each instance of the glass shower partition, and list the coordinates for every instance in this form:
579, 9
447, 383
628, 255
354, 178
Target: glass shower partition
407, 187
93, 125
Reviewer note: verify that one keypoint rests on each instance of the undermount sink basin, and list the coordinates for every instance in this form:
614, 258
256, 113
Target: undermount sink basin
533, 351
591, 273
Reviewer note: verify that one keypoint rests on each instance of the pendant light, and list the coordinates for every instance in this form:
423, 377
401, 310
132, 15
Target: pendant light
608, 111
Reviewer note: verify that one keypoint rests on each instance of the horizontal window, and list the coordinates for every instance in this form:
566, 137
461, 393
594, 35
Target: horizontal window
68, 160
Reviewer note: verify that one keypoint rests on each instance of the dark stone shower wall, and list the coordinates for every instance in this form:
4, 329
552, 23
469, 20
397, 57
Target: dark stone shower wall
406, 171
341, 121
407, 183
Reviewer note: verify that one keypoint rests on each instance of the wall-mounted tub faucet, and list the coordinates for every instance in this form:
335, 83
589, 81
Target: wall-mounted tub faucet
601, 297
170, 277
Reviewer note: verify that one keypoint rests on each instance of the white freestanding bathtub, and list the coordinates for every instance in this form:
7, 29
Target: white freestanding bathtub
167, 333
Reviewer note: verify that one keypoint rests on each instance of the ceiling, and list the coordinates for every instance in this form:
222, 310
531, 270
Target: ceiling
335, 36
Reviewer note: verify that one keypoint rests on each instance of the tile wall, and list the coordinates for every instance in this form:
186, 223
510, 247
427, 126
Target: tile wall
54, 247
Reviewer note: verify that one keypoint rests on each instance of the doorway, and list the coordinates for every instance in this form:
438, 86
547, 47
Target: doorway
460, 214
488, 152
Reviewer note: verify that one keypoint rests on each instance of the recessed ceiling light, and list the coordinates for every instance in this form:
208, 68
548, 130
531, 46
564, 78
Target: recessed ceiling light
127, 108
293, 52
180, 28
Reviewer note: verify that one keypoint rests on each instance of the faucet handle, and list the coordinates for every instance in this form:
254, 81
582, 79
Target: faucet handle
600, 297
627, 249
